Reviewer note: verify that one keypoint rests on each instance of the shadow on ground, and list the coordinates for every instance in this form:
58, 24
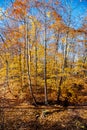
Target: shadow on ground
75, 123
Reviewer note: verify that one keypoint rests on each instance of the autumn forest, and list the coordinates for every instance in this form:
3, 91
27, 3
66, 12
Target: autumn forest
43, 55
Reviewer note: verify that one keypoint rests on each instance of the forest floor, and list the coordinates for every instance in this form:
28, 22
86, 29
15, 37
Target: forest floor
23, 116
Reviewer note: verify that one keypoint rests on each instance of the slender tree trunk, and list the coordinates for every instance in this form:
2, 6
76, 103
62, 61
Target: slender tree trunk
28, 58
85, 54
67, 43
20, 60
7, 69
59, 90
65, 54
58, 85
56, 72
45, 63
85, 45
36, 66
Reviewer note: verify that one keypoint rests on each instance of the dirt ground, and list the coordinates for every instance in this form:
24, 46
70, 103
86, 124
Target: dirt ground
54, 117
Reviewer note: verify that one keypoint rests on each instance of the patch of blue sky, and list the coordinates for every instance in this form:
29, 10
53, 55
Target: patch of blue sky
1, 3
5, 3
78, 10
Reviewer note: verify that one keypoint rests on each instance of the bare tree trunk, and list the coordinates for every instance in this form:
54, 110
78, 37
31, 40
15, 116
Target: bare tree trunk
28, 57
36, 66
59, 90
58, 85
65, 54
20, 59
85, 45
67, 42
85, 54
7, 69
45, 64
